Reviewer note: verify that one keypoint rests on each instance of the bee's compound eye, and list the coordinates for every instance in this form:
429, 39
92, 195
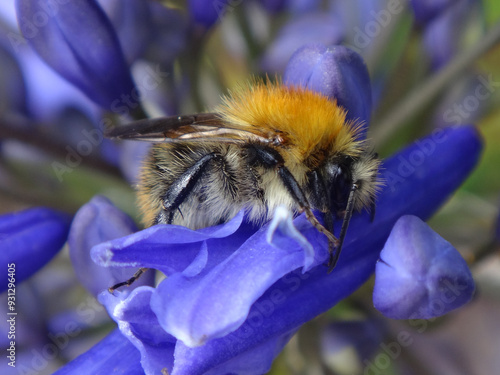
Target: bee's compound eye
339, 184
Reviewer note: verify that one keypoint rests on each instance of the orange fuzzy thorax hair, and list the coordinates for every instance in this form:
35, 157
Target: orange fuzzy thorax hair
311, 123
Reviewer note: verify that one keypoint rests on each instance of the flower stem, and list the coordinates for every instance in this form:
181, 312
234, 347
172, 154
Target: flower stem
22, 131
427, 91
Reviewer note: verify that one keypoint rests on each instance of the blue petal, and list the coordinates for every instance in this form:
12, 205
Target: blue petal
139, 324
99, 221
170, 248
77, 40
311, 28
29, 239
420, 275
336, 72
256, 360
180, 298
113, 355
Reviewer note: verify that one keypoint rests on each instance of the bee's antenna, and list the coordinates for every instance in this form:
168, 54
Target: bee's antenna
345, 224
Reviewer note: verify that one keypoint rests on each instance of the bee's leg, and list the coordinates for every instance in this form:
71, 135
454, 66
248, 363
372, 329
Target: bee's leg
129, 281
180, 189
299, 197
173, 198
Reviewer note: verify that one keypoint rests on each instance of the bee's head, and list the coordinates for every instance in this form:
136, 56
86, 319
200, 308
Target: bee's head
341, 173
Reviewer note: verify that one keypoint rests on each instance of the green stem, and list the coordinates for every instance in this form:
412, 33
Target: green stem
427, 91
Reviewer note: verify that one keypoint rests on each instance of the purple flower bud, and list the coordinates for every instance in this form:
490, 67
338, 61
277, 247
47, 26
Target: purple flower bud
420, 275
96, 222
77, 40
311, 28
29, 239
336, 72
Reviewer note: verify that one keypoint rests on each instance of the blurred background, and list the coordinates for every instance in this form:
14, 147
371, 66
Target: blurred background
432, 65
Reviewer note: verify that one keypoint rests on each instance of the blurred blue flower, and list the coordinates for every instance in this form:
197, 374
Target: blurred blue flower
78, 41
346, 344
426, 10
213, 270
420, 275
443, 34
273, 6
205, 14
30, 239
132, 21
337, 72
300, 7
317, 27
13, 90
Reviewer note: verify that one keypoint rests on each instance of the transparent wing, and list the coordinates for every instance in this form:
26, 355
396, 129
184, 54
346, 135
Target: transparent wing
203, 127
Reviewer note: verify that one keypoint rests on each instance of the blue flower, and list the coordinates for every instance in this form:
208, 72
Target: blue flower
420, 275
30, 239
337, 72
78, 41
245, 319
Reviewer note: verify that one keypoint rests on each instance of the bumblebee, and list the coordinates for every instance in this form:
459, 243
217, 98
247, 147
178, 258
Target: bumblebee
266, 145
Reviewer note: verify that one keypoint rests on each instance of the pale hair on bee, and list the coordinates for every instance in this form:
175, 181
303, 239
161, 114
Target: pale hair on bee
266, 145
